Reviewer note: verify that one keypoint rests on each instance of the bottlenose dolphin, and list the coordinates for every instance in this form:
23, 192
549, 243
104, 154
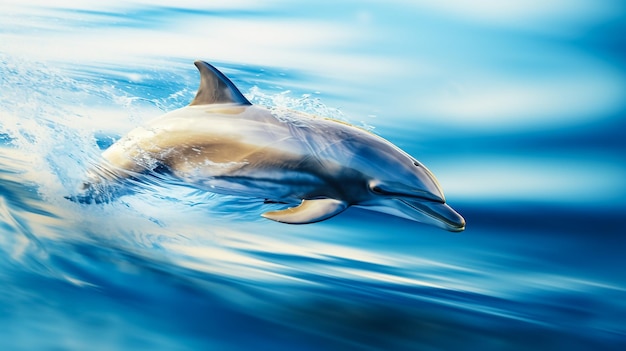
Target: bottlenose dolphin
224, 144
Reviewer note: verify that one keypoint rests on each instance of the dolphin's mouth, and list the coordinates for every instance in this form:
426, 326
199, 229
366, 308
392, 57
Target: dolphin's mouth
441, 213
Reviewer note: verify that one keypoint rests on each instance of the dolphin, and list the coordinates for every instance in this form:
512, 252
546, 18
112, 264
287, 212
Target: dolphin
224, 144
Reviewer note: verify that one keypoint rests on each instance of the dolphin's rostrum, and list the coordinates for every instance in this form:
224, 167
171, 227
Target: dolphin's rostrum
224, 144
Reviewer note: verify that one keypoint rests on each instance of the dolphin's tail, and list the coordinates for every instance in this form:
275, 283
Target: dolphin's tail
104, 184
99, 193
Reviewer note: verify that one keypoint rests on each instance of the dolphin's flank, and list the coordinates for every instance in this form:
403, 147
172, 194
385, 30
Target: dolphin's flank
318, 167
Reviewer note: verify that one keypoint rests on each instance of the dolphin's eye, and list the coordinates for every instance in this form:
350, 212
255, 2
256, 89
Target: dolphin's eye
416, 164
377, 190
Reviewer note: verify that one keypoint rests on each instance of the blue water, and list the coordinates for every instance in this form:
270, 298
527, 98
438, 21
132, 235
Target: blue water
518, 109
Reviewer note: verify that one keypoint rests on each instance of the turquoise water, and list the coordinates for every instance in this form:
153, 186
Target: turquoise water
518, 109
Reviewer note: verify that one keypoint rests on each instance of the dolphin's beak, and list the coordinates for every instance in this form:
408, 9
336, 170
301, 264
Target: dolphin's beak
439, 214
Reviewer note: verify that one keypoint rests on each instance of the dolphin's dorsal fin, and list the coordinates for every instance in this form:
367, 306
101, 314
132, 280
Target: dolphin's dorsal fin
309, 211
216, 88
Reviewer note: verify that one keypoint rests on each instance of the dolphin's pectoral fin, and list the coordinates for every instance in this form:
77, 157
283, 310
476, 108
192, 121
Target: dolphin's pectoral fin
309, 211
215, 88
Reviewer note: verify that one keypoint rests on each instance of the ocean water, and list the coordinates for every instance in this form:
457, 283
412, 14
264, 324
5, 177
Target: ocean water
519, 109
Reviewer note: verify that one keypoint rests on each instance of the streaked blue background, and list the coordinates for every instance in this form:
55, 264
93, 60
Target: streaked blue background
518, 108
